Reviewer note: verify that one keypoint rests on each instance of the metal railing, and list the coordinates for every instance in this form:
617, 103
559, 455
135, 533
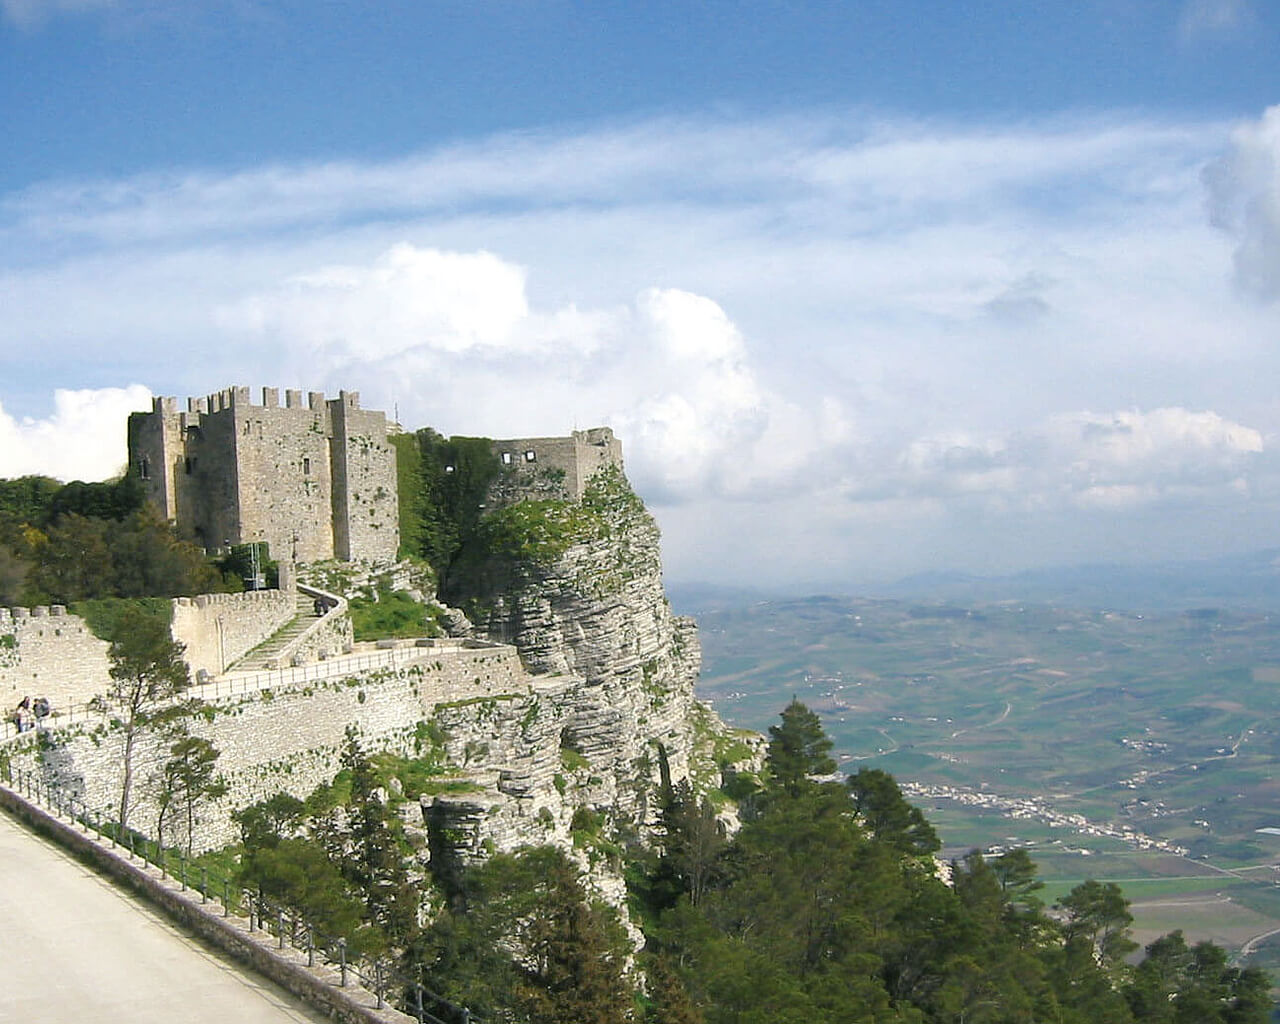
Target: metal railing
389, 985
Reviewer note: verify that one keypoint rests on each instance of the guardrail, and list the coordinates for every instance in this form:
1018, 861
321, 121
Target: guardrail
389, 985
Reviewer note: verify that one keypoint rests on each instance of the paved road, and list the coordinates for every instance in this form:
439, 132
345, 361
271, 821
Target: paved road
74, 948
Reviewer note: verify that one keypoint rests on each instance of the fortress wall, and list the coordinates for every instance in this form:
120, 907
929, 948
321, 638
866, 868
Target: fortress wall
333, 635
45, 652
286, 740
529, 460
217, 629
285, 483
207, 480
365, 502
302, 475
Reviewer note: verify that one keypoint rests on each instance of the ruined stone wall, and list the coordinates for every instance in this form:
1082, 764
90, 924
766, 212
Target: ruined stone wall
218, 629
554, 467
45, 652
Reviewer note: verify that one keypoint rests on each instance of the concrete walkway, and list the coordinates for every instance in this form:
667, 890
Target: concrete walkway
77, 949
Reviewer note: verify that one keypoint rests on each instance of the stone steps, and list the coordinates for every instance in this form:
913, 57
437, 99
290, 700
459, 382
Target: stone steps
261, 656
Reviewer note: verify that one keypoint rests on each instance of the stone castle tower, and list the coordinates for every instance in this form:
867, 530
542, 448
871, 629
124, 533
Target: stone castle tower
314, 480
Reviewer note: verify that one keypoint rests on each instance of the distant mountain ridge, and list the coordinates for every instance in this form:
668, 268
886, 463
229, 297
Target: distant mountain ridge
1240, 581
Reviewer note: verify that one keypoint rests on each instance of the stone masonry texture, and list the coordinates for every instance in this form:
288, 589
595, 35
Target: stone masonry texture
315, 480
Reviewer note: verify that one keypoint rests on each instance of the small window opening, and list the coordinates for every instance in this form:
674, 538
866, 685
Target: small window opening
306, 467
448, 469
506, 458
187, 465
530, 456
144, 468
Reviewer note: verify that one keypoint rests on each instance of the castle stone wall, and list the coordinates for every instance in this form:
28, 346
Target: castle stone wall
288, 739
46, 652
365, 503
541, 466
218, 629
314, 479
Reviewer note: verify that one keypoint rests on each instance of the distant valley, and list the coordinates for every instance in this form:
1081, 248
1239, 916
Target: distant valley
1127, 745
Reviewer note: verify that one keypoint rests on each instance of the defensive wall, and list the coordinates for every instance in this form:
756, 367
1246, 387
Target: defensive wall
48, 652
219, 629
314, 479
541, 466
287, 737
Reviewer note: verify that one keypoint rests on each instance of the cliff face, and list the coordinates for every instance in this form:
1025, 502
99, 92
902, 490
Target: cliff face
576, 587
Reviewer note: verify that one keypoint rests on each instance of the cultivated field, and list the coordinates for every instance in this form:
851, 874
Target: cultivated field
1121, 747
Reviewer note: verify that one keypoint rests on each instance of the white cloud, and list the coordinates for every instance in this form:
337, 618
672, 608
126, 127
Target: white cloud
1116, 460
669, 369
770, 313
1207, 19
1244, 196
84, 438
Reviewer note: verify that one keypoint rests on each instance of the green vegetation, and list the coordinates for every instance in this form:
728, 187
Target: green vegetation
826, 908
442, 485
392, 613
74, 542
103, 614
1162, 724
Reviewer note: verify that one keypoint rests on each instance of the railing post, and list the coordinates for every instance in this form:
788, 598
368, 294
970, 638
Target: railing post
377, 983
226, 896
204, 883
280, 926
182, 870
311, 946
342, 960
133, 844
466, 1016
417, 1001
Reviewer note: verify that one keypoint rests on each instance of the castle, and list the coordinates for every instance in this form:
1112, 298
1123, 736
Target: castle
315, 480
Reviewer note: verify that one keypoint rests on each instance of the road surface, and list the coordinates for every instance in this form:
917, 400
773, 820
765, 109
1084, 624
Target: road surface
75, 949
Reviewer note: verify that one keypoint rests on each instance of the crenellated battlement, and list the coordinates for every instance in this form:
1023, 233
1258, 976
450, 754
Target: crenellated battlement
314, 477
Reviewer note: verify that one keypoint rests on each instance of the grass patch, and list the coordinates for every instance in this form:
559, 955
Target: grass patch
391, 614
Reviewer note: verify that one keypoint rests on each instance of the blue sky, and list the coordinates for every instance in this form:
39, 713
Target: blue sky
866, 288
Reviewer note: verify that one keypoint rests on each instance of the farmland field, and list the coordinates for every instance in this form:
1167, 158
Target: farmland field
1129, 748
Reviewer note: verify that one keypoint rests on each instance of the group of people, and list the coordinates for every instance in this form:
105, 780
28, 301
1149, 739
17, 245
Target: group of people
30, 713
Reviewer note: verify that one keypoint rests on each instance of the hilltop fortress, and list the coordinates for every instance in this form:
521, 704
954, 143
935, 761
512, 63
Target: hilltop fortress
573, 688
315, 480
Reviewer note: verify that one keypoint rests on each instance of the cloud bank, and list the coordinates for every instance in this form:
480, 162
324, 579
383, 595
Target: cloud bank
894, 334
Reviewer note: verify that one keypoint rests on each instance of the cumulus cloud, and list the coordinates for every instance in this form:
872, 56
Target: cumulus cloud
83, 439
1244, 201
668, 369
770, 312
1117, 460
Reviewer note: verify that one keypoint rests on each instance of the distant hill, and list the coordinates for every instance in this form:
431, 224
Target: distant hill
1248, 581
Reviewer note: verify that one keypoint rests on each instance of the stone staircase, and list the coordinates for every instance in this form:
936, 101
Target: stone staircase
260, 657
